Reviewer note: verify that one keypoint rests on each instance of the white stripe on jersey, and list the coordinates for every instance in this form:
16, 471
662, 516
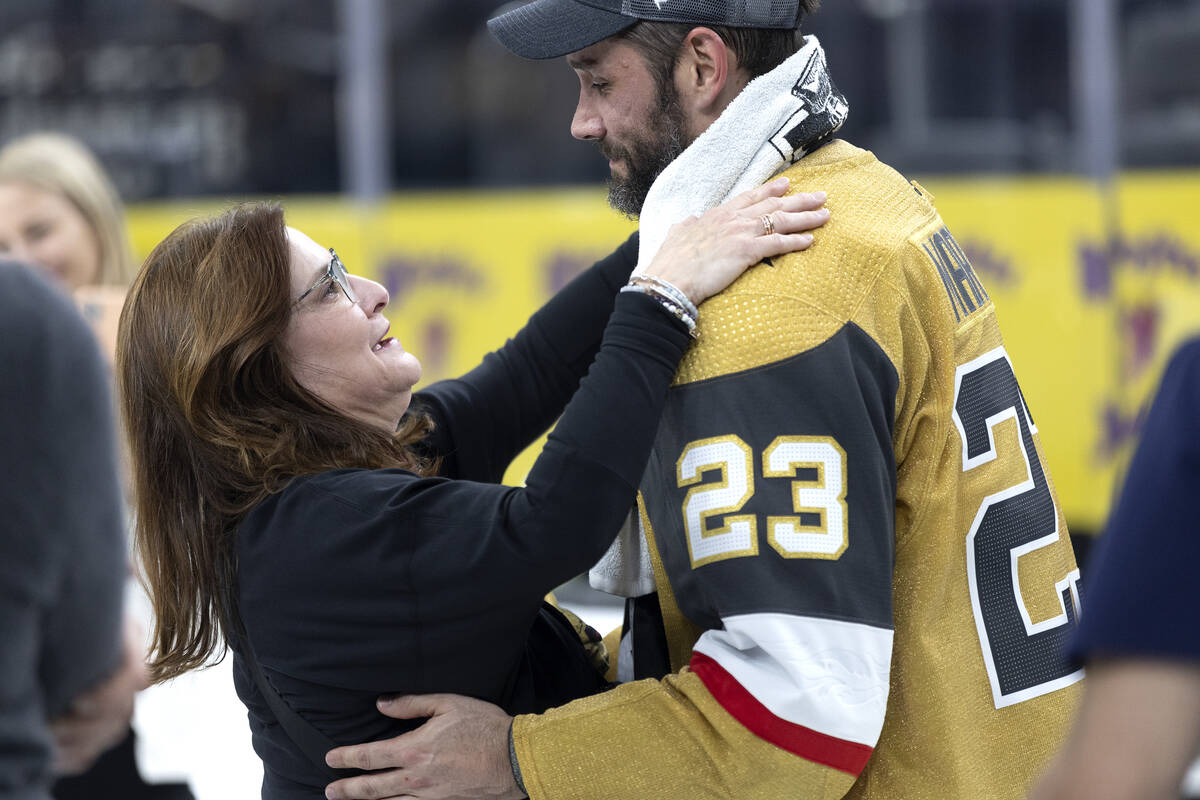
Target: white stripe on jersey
827, 675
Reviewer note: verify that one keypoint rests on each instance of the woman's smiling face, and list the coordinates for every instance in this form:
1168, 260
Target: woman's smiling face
339, 349
45, 229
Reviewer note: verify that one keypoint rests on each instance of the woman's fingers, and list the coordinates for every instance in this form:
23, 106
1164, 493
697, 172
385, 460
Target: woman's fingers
780, 243
774, 224
788, 231
702, 255
773, 188
803, 201
800, 201
796, 221
762, 200
772, 195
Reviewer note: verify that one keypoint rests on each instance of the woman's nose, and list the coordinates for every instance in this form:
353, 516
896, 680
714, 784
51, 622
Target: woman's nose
372, 296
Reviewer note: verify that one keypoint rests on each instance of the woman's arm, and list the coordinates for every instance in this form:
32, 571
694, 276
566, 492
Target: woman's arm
585, 479
586, 475
500, 407
492, 413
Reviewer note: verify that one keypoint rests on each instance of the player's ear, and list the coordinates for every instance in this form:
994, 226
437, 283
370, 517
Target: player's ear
703, 71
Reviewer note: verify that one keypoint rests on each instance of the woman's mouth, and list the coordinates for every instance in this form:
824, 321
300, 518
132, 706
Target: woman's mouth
384, 342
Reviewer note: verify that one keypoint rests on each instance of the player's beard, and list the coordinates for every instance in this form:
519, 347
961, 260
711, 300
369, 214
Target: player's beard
646, 156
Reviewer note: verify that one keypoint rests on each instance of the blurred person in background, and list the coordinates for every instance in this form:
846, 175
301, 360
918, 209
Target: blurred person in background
298, 504
60, 212
857, 581
67, 680
1138, 726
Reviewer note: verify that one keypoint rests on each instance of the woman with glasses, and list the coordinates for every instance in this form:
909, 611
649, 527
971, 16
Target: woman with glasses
349, 538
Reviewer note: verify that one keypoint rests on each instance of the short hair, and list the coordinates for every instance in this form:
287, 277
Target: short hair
62, 165
759, 50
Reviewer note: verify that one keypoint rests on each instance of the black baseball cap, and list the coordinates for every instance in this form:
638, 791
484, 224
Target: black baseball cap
553, 28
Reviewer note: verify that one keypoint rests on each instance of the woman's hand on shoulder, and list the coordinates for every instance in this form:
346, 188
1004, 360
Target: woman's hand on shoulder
702, 255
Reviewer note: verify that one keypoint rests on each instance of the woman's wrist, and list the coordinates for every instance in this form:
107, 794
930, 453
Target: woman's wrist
669, 298
663, 287
682, 283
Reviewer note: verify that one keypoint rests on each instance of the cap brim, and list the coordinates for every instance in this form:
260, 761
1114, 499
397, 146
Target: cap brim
553, 28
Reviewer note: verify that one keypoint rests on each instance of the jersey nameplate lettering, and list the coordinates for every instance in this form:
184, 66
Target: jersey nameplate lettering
963, 288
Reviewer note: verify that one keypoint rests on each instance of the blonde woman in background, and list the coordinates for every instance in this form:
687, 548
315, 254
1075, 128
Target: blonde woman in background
60, 212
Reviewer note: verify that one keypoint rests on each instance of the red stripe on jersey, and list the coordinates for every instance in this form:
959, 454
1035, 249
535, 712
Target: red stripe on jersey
831, 751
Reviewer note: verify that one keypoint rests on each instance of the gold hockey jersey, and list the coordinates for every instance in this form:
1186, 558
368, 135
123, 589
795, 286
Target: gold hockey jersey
865, 585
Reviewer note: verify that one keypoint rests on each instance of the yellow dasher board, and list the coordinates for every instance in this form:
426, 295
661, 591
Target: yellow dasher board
1089, 308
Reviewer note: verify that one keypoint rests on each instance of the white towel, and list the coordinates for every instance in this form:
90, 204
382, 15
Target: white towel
774, 122
625, 569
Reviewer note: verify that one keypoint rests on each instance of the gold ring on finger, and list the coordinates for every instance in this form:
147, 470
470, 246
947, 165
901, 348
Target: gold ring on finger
768, 224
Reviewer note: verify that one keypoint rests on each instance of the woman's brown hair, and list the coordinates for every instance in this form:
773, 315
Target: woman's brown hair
216, 422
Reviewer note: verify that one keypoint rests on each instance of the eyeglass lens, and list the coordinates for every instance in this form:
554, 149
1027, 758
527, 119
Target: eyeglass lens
338, 271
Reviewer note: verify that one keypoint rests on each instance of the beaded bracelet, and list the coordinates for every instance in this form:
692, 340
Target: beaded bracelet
667, 304
671, 290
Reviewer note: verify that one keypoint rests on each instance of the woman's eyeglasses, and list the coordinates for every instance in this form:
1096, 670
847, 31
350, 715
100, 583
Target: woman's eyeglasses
336, 273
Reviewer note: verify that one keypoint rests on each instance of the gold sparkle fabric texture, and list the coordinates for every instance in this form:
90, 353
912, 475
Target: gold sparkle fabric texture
886, 264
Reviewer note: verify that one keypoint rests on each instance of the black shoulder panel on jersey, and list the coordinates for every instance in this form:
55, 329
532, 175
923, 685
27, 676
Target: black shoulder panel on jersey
838, 396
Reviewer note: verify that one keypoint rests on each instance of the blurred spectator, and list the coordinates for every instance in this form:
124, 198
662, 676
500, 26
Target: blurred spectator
60, 212
1139, 724
62, 545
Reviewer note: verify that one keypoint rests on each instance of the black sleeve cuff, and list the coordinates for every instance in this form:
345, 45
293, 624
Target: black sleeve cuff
512, 760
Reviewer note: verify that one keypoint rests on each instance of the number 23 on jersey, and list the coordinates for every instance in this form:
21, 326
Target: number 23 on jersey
817, 524
1024, 659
